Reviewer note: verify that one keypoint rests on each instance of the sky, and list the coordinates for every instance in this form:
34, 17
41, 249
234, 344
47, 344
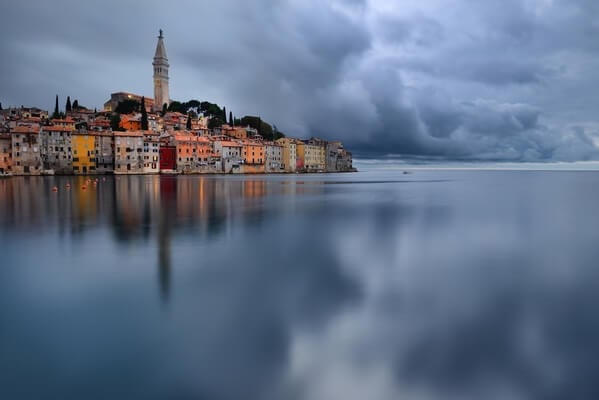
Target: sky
452, 79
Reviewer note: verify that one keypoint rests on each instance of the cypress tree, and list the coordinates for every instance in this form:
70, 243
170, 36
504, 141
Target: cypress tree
144, 115
224, 114
188, 124
75, 104
231, 118
68, 107
56, 112
0, 106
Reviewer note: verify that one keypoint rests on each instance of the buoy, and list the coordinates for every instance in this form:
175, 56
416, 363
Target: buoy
55, 189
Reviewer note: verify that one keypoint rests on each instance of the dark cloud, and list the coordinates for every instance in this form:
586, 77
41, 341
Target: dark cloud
367, 73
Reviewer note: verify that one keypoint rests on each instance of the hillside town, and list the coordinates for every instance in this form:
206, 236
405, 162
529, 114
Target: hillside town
137, 135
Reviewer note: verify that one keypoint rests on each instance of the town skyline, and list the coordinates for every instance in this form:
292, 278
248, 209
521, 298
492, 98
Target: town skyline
510, 82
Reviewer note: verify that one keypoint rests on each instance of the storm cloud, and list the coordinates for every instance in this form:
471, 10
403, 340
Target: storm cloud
504, 81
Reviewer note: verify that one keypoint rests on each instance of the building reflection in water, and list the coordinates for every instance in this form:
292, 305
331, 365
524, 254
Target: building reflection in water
144, 208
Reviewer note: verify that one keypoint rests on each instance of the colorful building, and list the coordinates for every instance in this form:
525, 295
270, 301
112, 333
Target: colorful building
289, 154
5, 154
104, 151
253, 154
56, 150
168, 157
194, 153
84, 152
236, 132
230, 152
151, 152
128, 153
300, 156
26, 154
274, 157
314, 155
130, 122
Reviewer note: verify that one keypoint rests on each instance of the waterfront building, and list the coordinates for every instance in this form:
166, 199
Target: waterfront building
168, 157
194, 153
56, 150
104, 151
315, 155
289, 154
26, 155
338, 159
84, 152
151, 152
253, 157
5, 154
160, 63
273, 157
300, 156
230, 152
128, 154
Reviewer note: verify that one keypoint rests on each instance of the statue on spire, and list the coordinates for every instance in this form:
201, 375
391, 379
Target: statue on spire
160, 34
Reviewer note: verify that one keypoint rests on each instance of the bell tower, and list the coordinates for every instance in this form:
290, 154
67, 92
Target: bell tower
160, 64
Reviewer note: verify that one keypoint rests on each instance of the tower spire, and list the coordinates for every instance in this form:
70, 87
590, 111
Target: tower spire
160, 63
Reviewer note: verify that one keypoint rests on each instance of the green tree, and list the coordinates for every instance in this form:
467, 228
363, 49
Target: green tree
115, 122
176, 106
68, 107
56, 112
193, 104
127, 106
164, 109
264, 128
144, 115
210, 109
76, 104
215, 122
231, 122
0, 106
188, 123
224, 117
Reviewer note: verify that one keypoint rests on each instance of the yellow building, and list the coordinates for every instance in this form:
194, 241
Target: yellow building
289, 155
84, 157
315, 155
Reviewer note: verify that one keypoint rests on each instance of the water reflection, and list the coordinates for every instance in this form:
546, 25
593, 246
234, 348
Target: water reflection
378, 285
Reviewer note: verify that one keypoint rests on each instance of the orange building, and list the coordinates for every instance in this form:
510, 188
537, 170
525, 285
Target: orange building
253, 154
194, 153
67, 122
131, 122
234, 131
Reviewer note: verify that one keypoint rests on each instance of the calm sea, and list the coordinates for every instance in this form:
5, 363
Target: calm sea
432, 284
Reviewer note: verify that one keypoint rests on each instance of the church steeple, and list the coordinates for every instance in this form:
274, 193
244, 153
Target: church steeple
160, 63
